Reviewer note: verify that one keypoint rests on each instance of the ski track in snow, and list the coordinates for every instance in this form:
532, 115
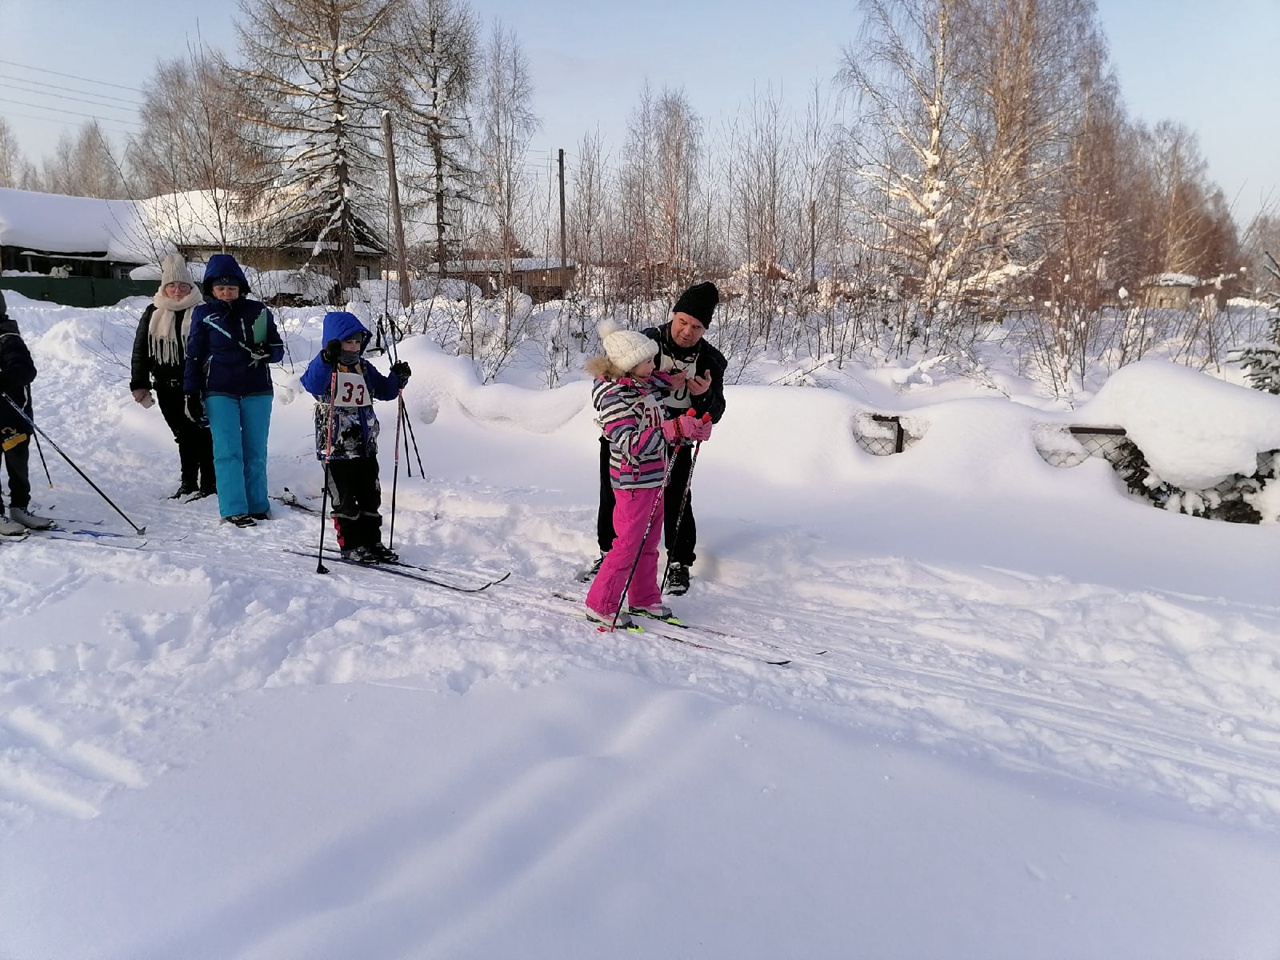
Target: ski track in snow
1170, 696
1119, 691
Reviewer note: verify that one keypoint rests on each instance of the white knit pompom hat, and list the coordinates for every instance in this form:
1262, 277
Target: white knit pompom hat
626, 349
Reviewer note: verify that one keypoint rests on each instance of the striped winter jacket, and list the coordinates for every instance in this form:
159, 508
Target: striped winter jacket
630, 412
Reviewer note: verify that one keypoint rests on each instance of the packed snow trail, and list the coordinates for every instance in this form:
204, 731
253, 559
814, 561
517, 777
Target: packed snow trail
1145, 692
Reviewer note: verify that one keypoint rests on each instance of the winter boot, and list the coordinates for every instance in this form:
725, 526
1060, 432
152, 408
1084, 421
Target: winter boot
184, 490
659, 611
29, 520
678, 580
359, 555
10, 529
606, 619
587, 574
383, 553
241, 520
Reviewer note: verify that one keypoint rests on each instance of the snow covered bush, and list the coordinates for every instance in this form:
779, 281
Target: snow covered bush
1240, 498
1195, 445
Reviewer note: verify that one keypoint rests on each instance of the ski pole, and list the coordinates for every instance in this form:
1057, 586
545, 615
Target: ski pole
684, 502
395, 473
653, 512
40, 451
328, 454
403, 416
408, 425
22, 413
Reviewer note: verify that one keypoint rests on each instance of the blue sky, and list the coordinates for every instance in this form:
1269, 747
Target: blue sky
1203, 64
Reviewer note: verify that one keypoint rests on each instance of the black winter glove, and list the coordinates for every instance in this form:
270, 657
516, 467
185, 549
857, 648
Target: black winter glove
194, 408
331, 352
402, 371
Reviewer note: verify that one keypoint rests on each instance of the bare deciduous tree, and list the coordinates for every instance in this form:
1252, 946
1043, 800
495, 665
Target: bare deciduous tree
589, 213
659, 188
11, 159
506, 123
193, 137
84, 166
912, 147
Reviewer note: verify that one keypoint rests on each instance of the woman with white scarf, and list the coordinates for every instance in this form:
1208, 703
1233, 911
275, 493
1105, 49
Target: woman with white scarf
159, 352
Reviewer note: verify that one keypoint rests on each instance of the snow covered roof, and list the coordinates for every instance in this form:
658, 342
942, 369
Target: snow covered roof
1170, 280
198, 218
517, 263
129, 231
53, 223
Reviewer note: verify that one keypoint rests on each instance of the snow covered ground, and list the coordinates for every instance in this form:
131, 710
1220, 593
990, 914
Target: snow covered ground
1026, 716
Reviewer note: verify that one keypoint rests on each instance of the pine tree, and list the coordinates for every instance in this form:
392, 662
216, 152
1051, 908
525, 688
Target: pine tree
436, 40
1261, 361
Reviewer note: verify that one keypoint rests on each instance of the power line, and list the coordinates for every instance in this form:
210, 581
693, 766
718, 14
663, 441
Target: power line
74, 113
53, 86
70, 76
58, 120
63, 96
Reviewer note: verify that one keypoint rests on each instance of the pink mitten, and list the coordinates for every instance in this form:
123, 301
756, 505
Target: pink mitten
671, 430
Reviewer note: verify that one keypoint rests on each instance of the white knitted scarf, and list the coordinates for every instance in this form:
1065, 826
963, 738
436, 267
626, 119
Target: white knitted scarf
162, 332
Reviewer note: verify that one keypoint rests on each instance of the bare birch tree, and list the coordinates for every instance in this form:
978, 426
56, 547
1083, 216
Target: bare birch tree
193, 137
11, 159
589, 215
912, 148
506, 124
1186, 228
972, 109
765, 220
1028, 63
660, 189
84, 165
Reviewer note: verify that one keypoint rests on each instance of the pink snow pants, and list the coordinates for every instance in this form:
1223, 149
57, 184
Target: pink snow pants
631, 510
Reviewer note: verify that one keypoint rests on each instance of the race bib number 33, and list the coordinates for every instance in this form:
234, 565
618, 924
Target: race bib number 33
351, 391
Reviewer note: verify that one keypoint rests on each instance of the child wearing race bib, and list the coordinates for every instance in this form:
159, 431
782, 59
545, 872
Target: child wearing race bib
345, 386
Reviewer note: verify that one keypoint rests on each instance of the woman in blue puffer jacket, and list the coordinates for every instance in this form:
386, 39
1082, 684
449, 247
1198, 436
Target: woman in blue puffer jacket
228, 381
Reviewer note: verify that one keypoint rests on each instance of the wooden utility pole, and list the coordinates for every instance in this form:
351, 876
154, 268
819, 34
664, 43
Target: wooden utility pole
563, 245
402, 260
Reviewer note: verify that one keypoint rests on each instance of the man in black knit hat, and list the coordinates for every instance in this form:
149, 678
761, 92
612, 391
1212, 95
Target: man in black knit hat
697, 370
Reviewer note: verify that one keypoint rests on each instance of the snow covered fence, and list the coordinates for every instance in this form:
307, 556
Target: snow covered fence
1084, 442
882, 434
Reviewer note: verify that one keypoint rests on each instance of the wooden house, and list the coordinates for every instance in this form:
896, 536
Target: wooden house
81, 251
540, 278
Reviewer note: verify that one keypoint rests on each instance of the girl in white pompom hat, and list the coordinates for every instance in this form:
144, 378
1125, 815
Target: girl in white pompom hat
628, 398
